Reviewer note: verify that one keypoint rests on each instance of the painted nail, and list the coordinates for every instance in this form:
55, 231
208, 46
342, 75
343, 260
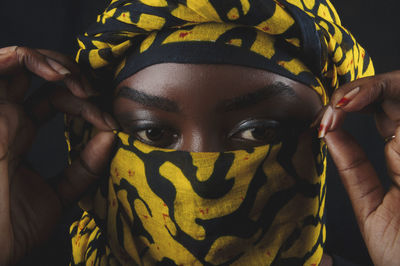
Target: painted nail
325, 122
321, 130
348, 97
57, 67
110, 121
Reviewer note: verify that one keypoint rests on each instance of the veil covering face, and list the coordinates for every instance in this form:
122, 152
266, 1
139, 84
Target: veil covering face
261, 206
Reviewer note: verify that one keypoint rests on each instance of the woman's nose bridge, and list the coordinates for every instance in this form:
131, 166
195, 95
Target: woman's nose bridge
202, 139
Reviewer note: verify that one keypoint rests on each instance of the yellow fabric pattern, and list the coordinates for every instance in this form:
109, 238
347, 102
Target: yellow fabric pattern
181, 208
302, 40
258, 207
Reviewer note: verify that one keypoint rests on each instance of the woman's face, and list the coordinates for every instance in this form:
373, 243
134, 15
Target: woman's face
202, 108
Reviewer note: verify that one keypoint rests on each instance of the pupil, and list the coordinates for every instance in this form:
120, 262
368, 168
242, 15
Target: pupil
261, 133
154, 133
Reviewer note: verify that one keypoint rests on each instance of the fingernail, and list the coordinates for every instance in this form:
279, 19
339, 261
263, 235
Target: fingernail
317, 119
348, 97
57, 67
325, 122
110, 121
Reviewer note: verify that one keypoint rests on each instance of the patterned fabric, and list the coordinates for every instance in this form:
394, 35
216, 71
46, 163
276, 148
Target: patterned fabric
259, 207
167, 207
299, 39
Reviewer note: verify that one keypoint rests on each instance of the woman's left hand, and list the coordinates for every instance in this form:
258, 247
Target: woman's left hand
377, 211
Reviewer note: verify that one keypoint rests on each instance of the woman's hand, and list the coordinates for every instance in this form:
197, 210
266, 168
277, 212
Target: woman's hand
29, 207
377, 211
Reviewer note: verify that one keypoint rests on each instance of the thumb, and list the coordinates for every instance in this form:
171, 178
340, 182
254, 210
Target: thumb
357, 174
84, 171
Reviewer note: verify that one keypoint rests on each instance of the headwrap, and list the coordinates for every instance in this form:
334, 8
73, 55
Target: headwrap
299, 39
262, 206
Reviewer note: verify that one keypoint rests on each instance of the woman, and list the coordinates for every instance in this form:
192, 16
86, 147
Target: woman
256, 123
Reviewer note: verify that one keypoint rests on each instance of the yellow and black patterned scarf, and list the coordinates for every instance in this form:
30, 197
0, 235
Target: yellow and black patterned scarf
263, 206
259, 206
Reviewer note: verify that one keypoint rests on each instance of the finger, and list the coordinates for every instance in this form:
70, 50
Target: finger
16, 58
330, 120
76, 81
87, 170
65, 60
77, 87
77, 75
16, 87
5, 225
51, 99
371, 94
8, 127
357, 174
385, 126
388, 117
363, 93
19, 131
392, 152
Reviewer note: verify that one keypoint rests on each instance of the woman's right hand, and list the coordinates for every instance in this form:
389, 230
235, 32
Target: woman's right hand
29, 207
376, 209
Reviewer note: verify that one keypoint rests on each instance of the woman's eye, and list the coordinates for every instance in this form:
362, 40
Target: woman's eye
259, 134
152, 134
159, 137
261, 131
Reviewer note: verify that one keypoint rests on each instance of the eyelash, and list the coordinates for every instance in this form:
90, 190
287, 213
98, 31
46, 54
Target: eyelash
247, 131
142, 128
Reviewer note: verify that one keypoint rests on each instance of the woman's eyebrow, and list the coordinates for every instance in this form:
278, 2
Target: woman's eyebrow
148, 100
270, 91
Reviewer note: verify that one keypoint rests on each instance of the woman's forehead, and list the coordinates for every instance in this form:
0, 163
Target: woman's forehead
216, 82
197, 90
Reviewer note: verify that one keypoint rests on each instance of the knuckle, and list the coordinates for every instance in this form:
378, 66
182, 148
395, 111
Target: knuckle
8, 55
381, 83
25, 56
356, 163
384, 84
28, 56
377, 89
8, 49
367, 192
21, 53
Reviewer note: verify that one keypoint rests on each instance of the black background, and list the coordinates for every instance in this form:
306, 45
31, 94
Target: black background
53, 24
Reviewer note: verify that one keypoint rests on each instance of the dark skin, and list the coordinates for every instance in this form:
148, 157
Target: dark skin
203, 108
211, 107
30, 208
